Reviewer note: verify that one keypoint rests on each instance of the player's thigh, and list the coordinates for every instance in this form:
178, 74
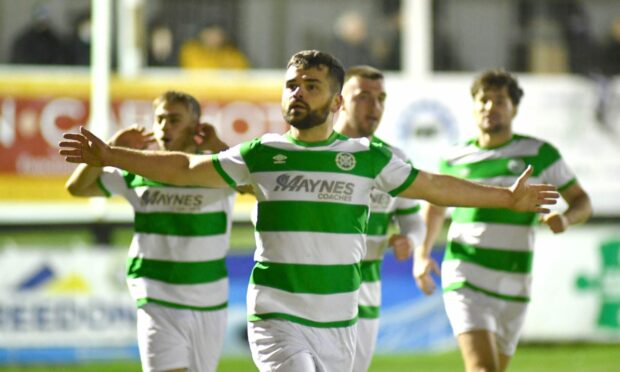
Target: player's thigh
479, 350
277, 345
367, 331
162, 340
510, 323
207, 339
469, 310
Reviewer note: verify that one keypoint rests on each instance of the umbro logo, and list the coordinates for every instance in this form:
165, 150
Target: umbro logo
279, 159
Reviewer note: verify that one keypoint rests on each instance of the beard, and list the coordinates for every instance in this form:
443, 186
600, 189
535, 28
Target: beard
311, 119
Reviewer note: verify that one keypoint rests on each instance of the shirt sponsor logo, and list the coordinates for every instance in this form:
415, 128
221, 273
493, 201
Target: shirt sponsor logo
324, 189
279, 159
345, 161
160, 198
379, 200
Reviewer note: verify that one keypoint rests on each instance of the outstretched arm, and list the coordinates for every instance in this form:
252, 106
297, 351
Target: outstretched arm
83, 180
174, 168
443, 190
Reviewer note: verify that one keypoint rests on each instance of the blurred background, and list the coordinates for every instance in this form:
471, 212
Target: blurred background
65, 63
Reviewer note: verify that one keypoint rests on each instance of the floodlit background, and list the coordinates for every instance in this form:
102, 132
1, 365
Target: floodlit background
63, 297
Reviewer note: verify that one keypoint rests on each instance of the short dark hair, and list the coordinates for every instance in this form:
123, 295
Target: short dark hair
498, 78
173, 96
314, 58
363, 71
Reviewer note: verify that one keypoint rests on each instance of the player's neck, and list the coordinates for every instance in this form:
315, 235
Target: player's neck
314, 134
491, 140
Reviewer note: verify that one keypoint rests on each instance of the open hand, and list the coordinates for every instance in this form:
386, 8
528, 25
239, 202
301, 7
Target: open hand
133, 137
531, 198
83, 147
207, 140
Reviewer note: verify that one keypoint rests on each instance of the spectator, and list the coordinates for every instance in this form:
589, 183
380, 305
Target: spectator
610, 61
350, 42
161, 46
80, 40
212, 49
39, 44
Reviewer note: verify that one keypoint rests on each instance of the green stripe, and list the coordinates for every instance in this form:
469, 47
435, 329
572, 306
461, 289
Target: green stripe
315, 279
460, 285
262, 158
181, 224
300, 320
177, 272
371, 271
378, 223
133, 181
412, 176
412, 210
312, 216
105, 191
143, 301
368, 312
496, 259
494, 215
218, 167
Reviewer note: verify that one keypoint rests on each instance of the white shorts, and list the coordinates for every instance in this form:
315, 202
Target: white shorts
367, 331
283, 346
170, 338
470, 310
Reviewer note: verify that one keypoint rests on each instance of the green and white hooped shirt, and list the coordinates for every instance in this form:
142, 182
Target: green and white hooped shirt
181, 237
384, 209
312, 213
491, 250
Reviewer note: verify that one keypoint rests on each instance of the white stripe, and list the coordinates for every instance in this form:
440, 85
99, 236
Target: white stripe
505, 181
511, 284
309, 248
318, 308
201, 295
370, 294
471, 154
347, 188
393, 175
179, 248
558, 173
351, 145
375, 247
493, 235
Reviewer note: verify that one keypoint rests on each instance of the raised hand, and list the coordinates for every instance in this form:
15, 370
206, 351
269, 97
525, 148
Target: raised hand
206, 139
133, 137
531, 198
83, 147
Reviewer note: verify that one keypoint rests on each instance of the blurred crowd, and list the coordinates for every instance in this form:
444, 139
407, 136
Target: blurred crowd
550, 36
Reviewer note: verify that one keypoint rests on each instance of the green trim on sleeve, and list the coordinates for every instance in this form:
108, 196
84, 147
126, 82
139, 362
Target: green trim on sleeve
412, 176
218, 167
567, 184
103, 189
412, 210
